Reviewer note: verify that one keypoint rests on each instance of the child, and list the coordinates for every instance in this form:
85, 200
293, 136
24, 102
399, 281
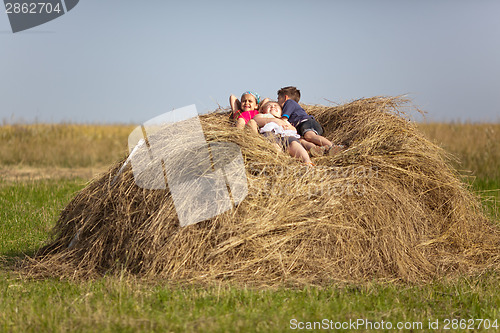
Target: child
307, 126
271, 112
281, 131
245, 110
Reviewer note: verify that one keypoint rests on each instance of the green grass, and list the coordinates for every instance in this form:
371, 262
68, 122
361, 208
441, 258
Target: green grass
488, 190
28, 211
124, 305
121, 304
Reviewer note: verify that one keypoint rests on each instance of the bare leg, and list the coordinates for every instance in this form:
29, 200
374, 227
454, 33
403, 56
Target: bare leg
296, 150
326, 144
252, 125
307, 145
313, 149
240, 123
317, 139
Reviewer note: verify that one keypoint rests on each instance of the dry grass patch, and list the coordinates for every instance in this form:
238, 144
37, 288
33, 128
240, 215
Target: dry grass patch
62, 145
26, 173
390, 207
476, 146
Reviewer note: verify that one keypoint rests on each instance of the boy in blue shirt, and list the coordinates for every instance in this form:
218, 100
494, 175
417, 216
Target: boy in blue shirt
307, 127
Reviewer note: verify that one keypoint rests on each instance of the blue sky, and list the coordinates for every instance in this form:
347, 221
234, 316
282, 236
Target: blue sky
115, 61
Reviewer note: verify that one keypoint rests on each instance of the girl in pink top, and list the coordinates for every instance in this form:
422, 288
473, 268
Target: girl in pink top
245, 110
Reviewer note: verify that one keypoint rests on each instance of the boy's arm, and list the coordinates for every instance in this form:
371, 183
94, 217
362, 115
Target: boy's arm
287, 125
286, 110
290, 108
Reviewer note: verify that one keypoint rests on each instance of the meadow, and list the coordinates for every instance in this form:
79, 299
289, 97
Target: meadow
43, 165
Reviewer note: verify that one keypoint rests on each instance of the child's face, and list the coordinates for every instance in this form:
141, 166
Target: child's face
282, 99
272, 108
248, 103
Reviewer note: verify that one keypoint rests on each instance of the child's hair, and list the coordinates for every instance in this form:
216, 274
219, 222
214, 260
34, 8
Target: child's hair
257, 97
291, 92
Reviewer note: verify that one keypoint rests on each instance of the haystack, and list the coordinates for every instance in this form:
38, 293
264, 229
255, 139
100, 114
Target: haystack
389, 207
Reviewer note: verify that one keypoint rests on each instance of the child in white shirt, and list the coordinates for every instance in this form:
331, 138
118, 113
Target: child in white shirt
281, 132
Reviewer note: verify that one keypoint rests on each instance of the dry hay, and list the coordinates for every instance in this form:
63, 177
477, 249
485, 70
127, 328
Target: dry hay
390, 207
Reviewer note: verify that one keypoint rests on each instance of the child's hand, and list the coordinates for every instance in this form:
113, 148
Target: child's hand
288, 126
281, 122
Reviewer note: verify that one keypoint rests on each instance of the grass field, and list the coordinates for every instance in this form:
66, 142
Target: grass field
29, 207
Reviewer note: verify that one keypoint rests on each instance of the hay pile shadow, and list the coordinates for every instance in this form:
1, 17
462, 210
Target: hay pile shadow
389, 207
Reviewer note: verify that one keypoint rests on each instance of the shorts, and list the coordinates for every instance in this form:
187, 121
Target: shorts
310, 124
247, 115
283, 141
